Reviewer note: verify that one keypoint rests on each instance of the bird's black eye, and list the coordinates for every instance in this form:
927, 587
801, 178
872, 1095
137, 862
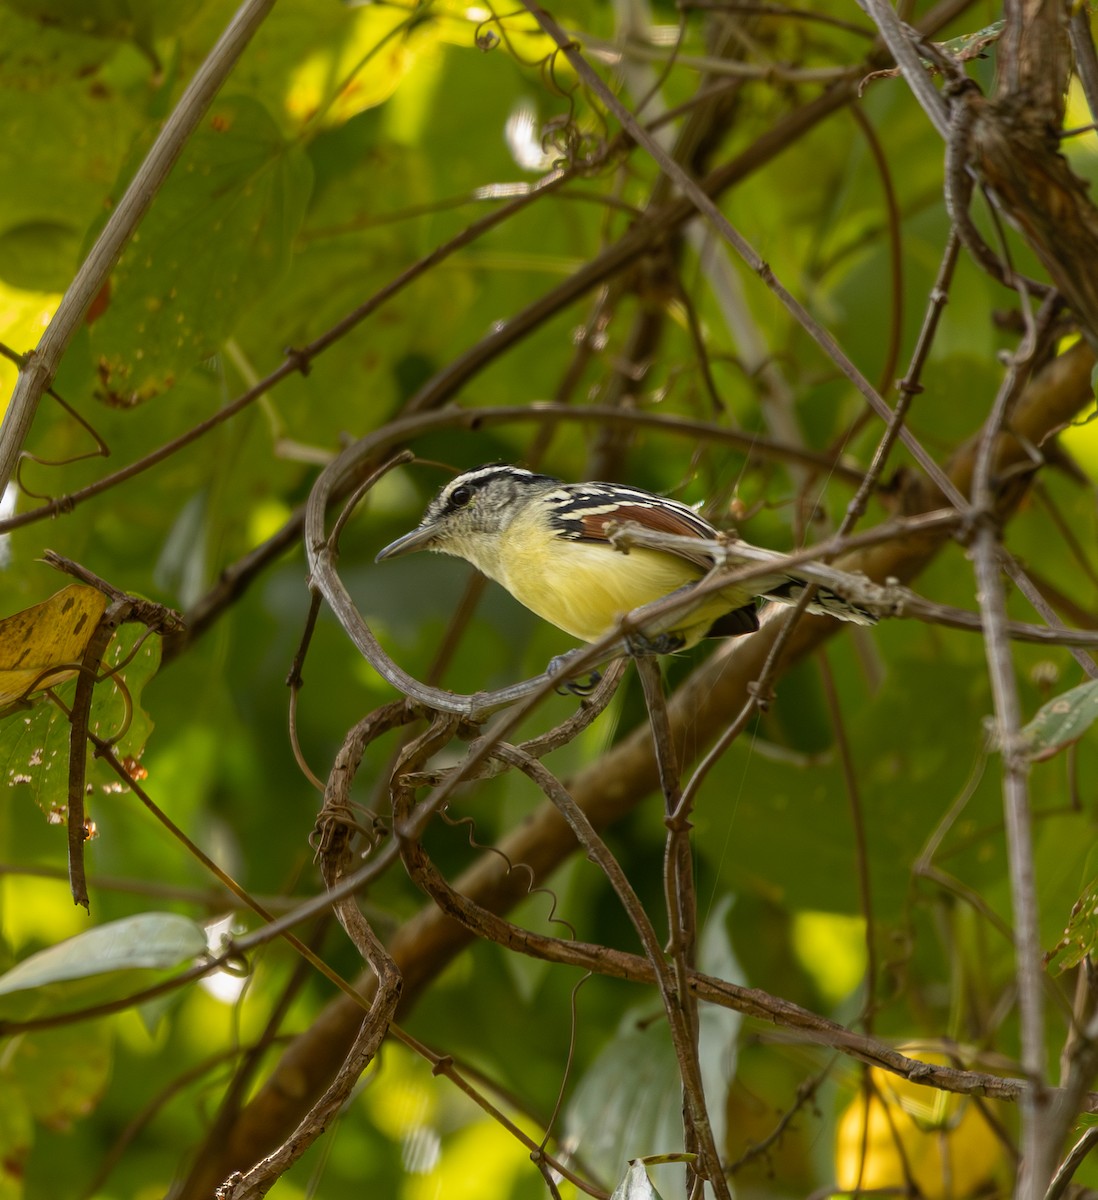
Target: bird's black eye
461, 496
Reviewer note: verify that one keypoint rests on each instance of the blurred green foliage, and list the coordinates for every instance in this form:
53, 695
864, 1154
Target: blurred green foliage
349, 142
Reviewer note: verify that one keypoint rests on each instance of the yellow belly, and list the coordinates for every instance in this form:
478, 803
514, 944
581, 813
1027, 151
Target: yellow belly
585, 587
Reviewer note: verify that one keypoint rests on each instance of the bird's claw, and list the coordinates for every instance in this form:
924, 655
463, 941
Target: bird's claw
583, 686
641, 646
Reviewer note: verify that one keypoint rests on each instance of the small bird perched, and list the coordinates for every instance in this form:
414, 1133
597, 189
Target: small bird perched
547, 543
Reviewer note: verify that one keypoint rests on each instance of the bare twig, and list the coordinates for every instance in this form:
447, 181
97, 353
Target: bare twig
335, 861
1038, 1155
900, 44
857, 820
78, 745
1072, 1163
680, 896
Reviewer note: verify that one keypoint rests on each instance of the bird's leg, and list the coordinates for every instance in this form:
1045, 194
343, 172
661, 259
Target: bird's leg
640, 645
583, 686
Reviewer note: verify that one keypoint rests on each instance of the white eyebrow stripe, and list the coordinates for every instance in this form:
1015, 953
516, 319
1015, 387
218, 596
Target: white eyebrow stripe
481, 474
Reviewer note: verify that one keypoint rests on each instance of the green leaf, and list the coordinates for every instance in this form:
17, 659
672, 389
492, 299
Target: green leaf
33, 56
34, 756
1081, 935
16, 1136
39, 255
1062, 721
629, 1104
217, 239
111, 707
62, 1073
34, 742
123, 20
98, 123
104, 963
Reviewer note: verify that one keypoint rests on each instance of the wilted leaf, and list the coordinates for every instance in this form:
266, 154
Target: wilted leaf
1081, 935
41, 646
216, 239
1061, 721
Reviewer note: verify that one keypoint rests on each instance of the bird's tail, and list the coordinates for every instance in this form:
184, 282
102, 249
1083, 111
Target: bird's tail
825, 603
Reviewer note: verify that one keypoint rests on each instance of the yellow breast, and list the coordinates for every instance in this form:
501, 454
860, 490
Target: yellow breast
584, 587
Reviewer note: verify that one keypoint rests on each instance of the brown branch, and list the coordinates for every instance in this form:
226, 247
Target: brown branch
79, 716
336, 860
680, 899
1015, 152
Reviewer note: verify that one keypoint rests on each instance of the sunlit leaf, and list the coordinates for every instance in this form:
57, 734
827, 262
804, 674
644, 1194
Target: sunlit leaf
217, 238
43, 645
363, 68
1061, 721
943, 1143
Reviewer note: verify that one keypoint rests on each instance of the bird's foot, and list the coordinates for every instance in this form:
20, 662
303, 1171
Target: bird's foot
583, 686
639, 645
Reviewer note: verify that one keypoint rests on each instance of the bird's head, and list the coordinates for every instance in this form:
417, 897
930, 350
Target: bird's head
468, 516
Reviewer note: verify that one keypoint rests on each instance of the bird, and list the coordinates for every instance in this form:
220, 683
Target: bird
548, 543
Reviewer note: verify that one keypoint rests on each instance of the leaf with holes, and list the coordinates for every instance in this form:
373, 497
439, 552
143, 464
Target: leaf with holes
34, 742
131, 660
1061, 721
1081, 935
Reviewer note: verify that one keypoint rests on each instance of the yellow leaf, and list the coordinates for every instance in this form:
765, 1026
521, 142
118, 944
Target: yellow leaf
380, 48
942, 1139
42, 646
